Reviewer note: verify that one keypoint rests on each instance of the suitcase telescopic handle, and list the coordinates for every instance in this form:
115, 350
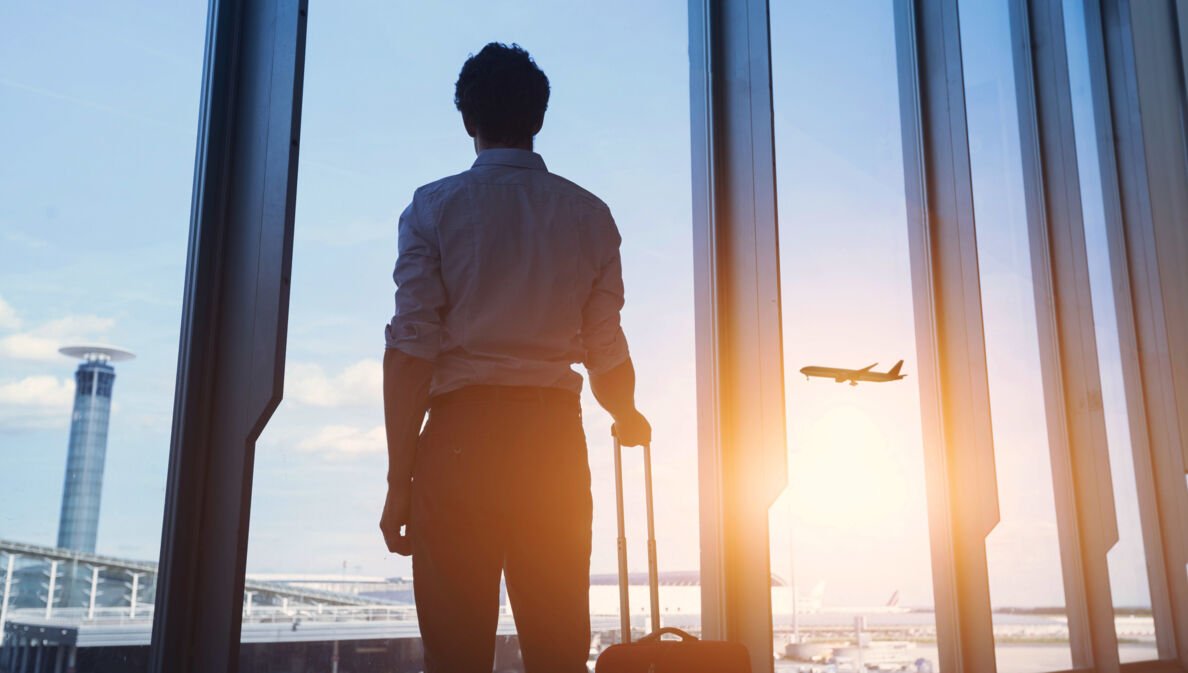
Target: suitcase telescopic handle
624, 581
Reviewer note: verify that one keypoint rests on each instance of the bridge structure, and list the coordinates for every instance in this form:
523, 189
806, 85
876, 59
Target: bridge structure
58, 564
45, 629
58, 601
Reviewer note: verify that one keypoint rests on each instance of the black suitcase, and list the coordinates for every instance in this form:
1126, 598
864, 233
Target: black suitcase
651, 654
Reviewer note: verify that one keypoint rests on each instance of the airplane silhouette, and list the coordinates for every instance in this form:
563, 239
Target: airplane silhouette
854, 375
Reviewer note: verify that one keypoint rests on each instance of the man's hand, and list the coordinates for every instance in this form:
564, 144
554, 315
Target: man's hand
395, 517
615, 391
406, 397
633, 429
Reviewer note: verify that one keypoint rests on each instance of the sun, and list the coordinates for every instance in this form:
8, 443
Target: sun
842, 471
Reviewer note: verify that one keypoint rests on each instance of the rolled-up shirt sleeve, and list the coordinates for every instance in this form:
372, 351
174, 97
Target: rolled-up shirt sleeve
420, 294
602, 333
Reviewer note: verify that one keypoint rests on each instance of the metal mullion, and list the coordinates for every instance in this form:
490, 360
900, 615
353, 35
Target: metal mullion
710, 497
1064, 313
1129, 103
1181, 14
1127, 333
741, 430
954, 390
234, 317
1158, 106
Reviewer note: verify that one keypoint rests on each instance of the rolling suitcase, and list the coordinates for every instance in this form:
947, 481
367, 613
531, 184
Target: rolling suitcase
651, 654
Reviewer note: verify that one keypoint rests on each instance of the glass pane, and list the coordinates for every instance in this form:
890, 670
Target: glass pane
1023, 553
1127, 560
98, 119
851, 532
378, 122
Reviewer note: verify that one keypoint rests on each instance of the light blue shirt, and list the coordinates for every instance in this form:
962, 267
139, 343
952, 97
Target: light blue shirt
508, 274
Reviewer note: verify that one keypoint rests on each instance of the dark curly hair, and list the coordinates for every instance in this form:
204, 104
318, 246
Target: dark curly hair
502, 94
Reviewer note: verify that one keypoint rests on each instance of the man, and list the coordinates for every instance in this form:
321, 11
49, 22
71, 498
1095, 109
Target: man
506, 275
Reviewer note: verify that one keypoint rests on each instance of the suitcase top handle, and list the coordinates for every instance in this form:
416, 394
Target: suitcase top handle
655, 635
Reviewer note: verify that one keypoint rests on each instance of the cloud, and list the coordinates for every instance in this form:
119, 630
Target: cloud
38, 391
35, 403
8, 316
360, 384
42, 342
344, 441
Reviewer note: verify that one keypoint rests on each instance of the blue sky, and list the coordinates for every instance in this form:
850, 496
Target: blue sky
98, 107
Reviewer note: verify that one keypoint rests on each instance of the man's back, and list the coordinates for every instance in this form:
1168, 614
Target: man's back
529, 278
506, 275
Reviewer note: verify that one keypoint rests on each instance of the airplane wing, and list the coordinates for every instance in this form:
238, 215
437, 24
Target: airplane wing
856, 375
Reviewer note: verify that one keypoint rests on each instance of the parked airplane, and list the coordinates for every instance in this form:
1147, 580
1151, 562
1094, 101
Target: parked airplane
811, 605
891, 607
811, 602
854, 375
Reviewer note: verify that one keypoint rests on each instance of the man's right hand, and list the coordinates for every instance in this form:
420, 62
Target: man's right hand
395, 518
615, 391
633, 429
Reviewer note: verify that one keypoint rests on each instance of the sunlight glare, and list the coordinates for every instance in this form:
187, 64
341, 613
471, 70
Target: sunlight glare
842, 474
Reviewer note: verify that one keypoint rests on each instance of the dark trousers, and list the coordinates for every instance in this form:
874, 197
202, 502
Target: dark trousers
502, 485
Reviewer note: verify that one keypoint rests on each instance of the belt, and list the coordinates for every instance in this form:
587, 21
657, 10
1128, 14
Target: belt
496, 393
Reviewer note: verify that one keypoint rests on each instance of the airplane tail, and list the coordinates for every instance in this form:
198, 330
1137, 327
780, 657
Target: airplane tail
895, 370
817, 593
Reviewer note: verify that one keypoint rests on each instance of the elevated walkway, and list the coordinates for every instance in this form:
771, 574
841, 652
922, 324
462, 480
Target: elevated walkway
21, 550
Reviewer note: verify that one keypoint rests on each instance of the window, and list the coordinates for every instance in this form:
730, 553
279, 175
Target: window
849, 538
98, 115
97, 125
370, 136
1023, 552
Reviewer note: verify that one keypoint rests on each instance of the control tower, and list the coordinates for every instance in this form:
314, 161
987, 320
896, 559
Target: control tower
79, 522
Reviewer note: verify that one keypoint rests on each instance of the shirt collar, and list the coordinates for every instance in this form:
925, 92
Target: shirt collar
508, 156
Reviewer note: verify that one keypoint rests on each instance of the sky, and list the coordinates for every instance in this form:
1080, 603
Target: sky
98, 110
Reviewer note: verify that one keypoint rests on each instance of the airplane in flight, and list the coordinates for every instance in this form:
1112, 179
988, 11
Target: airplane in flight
854, 375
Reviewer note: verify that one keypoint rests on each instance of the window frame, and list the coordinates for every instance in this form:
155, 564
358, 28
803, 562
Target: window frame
954, 388
1138, 104
739, 352
231, 359
234, 321
1082, 485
